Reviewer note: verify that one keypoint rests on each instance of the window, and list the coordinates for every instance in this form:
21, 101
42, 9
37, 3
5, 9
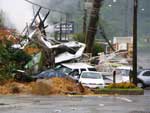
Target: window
83, 70
43, 74
91, 75
91, 69
74, 72
63, 69
147, 73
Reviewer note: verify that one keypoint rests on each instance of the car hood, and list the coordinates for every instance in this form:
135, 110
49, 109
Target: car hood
93, 81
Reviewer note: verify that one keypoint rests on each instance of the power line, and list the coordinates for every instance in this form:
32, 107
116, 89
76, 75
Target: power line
62, 12
45, 7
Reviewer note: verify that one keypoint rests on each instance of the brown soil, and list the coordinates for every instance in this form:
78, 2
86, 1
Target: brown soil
54, 86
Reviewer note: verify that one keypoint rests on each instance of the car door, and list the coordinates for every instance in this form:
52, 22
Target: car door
146, 77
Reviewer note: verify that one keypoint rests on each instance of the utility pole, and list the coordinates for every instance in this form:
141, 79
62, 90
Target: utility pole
66, 27
135, 41
84, 20
60, 33
92, 29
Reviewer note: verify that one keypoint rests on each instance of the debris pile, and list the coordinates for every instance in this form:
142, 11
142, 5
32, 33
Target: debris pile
54, 86
58, 86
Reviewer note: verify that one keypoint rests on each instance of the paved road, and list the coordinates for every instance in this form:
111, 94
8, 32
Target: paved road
75, 104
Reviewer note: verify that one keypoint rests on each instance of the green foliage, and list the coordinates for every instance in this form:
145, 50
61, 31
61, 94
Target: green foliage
23, 37
20, 57
80, 37
10, 60
97, 49
122, 85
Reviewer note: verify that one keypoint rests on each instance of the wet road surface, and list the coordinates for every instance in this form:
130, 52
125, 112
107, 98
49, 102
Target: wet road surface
75, 104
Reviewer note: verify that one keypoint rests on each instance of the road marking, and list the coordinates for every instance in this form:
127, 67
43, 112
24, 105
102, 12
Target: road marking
15, 105
58, 111
101, 105
124, 99
73, 108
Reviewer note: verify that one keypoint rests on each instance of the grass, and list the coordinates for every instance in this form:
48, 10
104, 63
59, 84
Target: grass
121, 91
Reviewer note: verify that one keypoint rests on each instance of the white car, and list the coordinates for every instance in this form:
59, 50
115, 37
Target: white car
92, 79
74, 69
143, 78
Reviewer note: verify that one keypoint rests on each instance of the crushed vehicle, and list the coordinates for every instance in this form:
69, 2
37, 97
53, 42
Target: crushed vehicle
74, 70
48, 74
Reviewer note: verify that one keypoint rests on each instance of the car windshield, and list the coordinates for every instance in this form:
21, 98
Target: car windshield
91, 69
91, 75
63, 69
138, 72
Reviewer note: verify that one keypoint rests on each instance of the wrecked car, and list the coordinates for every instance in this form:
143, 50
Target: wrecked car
48, 74
74, 70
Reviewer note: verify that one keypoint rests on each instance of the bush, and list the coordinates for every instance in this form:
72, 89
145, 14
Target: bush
122, 85
97, 49
10, 60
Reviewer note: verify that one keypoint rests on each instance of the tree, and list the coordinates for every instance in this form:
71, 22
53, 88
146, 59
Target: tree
92, 29
48, 53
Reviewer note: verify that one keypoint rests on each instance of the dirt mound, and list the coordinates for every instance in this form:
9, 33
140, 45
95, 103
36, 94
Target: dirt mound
12, 87
58, 86
54, 86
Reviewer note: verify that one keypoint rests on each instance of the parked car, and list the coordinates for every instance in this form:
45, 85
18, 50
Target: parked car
74, 70
92, 79
49, 74
143, 78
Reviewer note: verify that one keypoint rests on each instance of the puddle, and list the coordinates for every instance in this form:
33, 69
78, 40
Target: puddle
3, 104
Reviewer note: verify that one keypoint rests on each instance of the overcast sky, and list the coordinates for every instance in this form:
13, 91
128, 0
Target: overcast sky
18, 11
